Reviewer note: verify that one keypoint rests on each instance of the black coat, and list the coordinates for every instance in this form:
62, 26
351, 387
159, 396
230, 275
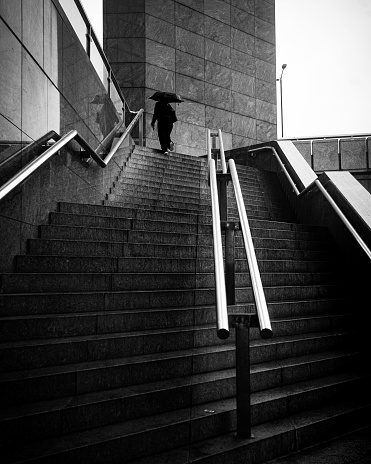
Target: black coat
164, 110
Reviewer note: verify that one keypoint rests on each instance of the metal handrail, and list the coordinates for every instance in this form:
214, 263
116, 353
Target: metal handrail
222, 154
221, 297
31, 167
257, 286
328, 197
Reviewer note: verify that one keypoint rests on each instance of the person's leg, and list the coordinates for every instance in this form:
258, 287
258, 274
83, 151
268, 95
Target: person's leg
162, 135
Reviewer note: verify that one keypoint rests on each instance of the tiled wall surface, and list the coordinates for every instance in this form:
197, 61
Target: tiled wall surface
46, 83
217, 54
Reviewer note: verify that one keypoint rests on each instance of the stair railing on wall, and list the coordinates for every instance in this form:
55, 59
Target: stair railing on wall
240, 318
309, 185
60, 142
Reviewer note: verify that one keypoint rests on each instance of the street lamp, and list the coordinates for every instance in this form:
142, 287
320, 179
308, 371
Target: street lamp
280, 79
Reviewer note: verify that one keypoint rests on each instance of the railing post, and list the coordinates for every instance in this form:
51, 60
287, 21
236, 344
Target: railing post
140, 123
242, 326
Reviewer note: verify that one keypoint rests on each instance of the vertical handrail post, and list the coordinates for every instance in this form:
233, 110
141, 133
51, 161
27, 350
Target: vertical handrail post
242, 327
140, 122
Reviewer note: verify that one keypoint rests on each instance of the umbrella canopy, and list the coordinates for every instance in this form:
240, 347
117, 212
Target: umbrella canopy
167, 96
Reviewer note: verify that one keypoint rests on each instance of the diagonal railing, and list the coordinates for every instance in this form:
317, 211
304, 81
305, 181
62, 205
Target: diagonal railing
62, 141
314, 182
226, 309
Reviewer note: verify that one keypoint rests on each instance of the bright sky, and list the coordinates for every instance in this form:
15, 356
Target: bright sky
326, 45
326, 85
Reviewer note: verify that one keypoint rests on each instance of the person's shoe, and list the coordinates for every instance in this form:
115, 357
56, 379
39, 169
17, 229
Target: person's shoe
166, 153
171, 148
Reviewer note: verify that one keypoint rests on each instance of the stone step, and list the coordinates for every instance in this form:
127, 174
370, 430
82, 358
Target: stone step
64, 264
118, 281
189, 425
263, 238
40, 303
53, 418
28, 327
135, 250
43, 384
274, 439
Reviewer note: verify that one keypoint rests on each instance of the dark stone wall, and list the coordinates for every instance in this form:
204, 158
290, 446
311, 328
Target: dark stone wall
218, 55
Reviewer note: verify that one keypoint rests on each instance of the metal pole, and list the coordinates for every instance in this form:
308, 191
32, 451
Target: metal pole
281, 105
243, 377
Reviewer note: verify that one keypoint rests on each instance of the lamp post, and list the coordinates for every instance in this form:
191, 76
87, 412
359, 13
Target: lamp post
280, 79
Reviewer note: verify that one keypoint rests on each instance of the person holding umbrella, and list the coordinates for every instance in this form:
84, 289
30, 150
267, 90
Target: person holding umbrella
165, 116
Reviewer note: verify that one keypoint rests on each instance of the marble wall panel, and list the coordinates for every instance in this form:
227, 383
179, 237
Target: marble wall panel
238, 141
218, 119
189, 19
265, 71
265, 31
34, 98
265, 91
246, 5
353, 154
218, 75
8, 131
304, 148
160, 55
265, 11
217, 96
189, 135
10, 77
129, 74
217, 31
54, 105
189, 42
11, 13
244, 104
190, 88
197, 5
191, 112
128, 6
265, 131
244, 126
265, 51
242, 62
160, 78
160, 31
266, 111
110, 26
190, 65
218, 9
243, 83
125, 25
128, 49
242, 41
32, 28
52, 39
242, 20
217, 53
163, 10
325, 155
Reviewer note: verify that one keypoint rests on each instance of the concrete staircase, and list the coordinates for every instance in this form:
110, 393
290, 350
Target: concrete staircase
109, 350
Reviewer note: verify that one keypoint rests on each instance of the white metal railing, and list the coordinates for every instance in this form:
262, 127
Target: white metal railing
221, 297
259, 296
257, 286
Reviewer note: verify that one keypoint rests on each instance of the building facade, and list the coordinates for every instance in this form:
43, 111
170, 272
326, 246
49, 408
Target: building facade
218, 55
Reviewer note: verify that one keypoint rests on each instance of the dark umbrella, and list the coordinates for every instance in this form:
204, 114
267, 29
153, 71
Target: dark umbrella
167, 96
